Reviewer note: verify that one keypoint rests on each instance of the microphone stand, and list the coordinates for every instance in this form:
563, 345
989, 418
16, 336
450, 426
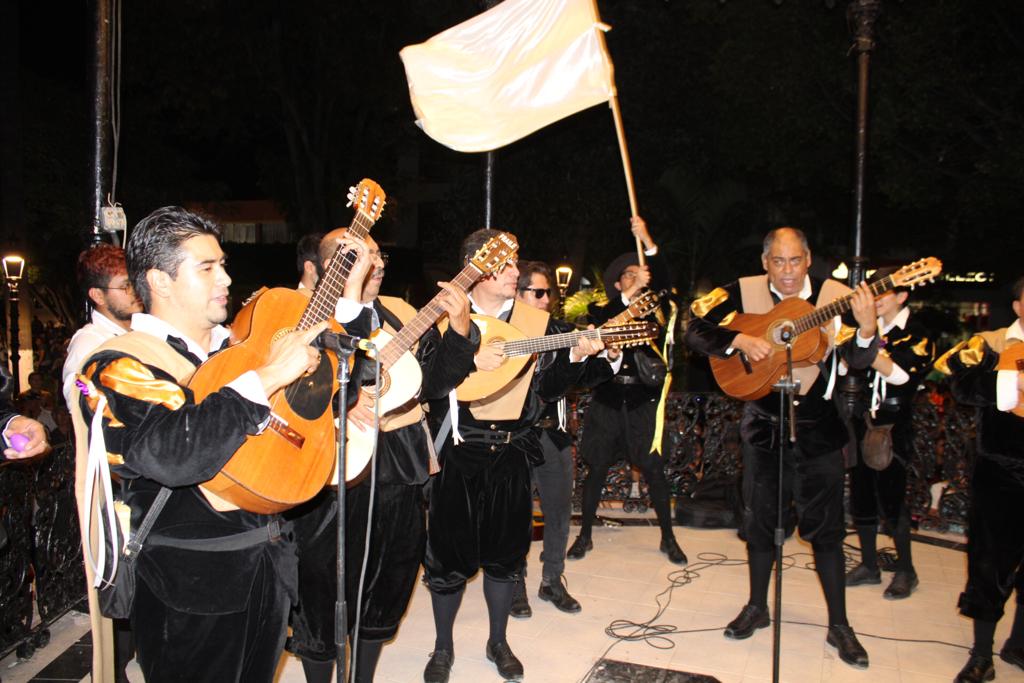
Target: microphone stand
341, 438
787, 386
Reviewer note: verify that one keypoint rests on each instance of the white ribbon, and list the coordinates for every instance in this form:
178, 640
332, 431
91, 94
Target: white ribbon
97, 474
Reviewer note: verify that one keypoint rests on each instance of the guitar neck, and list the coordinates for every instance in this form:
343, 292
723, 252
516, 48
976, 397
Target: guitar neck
820, 316
551, 342
427, 316
330, 287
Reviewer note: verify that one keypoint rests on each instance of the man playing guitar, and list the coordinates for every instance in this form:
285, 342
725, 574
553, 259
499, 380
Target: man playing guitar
213, 585
480, 504
995, 522
814, 468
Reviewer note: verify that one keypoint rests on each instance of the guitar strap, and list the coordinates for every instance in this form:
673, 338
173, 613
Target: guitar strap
756, 297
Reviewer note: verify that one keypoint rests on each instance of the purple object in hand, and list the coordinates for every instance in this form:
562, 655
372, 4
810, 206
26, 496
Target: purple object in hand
18, 441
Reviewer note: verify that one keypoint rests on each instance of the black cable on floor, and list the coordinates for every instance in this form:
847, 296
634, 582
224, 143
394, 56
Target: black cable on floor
657, 635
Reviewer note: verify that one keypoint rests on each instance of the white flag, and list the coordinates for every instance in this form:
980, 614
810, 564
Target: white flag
507, 72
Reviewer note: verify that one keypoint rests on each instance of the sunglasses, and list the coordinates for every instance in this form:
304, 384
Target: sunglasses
539, 292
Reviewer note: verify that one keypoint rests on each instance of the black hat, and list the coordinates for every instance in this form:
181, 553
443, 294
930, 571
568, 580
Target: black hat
614, 270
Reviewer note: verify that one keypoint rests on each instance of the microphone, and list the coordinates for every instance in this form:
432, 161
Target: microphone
333, 341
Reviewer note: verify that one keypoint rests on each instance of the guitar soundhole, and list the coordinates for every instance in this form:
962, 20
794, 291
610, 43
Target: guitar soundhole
310, 395
385, 384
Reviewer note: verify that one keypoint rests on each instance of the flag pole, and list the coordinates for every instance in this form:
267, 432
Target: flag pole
627, 168
620, 131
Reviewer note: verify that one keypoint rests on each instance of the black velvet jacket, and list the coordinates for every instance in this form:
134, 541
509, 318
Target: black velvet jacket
819, 427
911, 349
973, 367
611, 393
553, 375
445, 360
162, 437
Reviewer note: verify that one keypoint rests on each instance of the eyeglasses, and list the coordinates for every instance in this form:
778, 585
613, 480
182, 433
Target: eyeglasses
539, 292
127, 288
382, 255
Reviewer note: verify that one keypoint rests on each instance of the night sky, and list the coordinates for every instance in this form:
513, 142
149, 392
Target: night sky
739, 115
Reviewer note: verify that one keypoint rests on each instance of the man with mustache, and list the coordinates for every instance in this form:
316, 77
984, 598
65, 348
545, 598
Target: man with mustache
813, 467
398, 532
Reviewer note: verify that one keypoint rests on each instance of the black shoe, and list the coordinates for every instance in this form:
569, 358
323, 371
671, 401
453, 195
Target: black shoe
509, 666
520, 604
557, 595
580, 547
672, 549
976, 670
902, 585
862, 576
749, 620
844, 640
439, 667
1012, 655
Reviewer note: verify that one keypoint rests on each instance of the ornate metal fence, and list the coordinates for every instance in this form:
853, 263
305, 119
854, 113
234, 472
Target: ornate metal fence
41, 570
702, 455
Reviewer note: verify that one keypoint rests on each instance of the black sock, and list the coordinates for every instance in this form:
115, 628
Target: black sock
867, 533
498, 595
592, 486
445, 606
318, 672
658, 489
901, 539
1016, 638
984, 634
760, 572
366, 660
831, 567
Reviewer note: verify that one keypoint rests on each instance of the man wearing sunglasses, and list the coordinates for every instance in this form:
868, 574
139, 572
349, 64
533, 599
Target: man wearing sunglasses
553, 477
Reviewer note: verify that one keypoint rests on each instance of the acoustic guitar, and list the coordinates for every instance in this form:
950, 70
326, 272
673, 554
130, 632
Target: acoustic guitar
400, 374
293, 458
748, 380
1012, 358
518, 349
645, 303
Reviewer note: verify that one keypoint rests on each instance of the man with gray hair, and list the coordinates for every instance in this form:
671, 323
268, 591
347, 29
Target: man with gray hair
814, 466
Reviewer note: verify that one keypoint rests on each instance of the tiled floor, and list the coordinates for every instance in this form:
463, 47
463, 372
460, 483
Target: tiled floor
626, 578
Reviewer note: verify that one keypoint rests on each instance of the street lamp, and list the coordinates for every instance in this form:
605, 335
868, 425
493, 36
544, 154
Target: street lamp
14, 268
563, 276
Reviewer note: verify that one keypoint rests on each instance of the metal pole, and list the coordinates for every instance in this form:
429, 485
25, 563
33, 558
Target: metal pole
15, 345
862, 15
489, 190
100, 112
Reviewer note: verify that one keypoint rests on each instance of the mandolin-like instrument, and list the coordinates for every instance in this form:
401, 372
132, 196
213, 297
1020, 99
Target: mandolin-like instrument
400, 373
748, 380
293, 458
518, 349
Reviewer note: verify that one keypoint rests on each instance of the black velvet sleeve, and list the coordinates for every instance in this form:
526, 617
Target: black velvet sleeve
856, 356
556, 373
911, 350
446, 360
974, 368
706, 332
159, 430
